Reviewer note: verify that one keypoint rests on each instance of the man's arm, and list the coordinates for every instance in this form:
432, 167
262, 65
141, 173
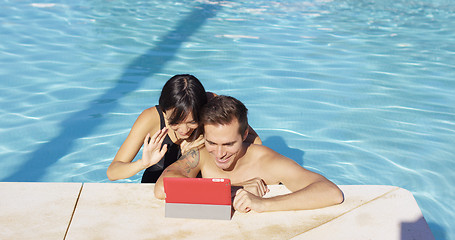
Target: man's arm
309, 189
186, 166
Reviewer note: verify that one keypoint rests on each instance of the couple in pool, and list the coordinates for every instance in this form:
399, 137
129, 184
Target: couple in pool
194, 132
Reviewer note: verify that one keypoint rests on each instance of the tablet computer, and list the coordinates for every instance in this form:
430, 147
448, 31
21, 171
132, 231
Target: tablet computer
201, 198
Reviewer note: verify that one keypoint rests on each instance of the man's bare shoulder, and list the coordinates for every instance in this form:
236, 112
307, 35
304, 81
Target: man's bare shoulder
260, 151
268, 158
264, 163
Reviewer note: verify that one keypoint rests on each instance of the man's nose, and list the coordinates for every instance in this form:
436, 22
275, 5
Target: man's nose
219, 152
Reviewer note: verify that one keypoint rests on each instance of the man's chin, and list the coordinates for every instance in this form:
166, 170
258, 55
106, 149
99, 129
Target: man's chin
223, 164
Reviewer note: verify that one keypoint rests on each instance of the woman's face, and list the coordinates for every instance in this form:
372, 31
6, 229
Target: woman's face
185, 128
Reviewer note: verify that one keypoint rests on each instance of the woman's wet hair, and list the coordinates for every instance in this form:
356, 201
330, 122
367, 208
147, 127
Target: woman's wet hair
184, 94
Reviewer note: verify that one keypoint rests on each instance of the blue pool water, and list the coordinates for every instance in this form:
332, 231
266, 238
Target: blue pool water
361, 91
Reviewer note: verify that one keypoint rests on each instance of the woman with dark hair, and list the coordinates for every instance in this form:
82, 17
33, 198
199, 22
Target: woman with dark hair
166, 131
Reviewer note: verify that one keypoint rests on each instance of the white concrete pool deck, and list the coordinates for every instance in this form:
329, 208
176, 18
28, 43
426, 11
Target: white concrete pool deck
130, 211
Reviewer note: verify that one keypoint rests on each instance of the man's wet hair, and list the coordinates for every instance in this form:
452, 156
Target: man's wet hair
222, 110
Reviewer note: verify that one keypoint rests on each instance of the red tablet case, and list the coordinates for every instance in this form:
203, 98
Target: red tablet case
203, 198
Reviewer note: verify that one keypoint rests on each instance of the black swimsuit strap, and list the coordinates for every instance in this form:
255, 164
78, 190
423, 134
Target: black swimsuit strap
162, 123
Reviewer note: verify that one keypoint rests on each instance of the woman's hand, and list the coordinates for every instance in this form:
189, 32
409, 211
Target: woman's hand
152, 152
185, 146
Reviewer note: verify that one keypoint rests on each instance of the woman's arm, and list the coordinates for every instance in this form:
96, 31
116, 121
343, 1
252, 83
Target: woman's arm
122, 165
253, 137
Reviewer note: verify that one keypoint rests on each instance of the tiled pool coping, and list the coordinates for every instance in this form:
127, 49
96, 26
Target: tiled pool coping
130, 211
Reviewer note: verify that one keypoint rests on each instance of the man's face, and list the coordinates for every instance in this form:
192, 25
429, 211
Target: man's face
224, 143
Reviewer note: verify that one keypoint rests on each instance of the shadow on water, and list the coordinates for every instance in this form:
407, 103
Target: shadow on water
82, 123
421, 230
279, 145
439, 232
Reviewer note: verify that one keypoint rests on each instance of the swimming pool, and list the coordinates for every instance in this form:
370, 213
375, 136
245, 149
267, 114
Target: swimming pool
360, 91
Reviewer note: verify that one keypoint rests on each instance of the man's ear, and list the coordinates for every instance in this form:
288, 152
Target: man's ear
245, 135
